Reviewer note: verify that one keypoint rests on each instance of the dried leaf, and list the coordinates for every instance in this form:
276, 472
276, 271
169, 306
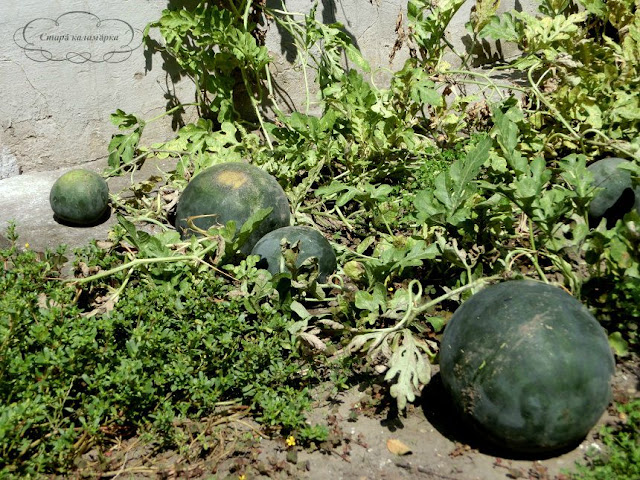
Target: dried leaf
313, 341
102, 305
360, 341
331, 324
397, 447
42, 300
104, 244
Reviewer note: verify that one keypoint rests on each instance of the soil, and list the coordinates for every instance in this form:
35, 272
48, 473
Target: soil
367, 441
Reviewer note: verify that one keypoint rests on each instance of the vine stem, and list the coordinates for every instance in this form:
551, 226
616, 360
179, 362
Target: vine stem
530, 254
290, 26
412, 312
342, 217
552, 109
170, 111
245, 16
152, 151
532, 240
487, 81
313, 175
233, 8
196, 258
256, 107
144, 218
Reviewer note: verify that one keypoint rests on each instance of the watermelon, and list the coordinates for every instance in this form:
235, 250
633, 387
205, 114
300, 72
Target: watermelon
79, 197
312, 244
232, 191
616, 195
527, 365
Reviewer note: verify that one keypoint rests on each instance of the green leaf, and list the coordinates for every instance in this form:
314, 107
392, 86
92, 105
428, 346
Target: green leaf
300, 309
356, 57
250, 225
596, 7
619, 345
508, 136
503, 27
437, 323
365, 244
429, 21
424, 92
530, 184
412, 254
136, 237
377, 193
481, 13
574, 171
452, 188
428, 207
464, 172
124, 120
546, 32
122, 149
332, 188
373, 302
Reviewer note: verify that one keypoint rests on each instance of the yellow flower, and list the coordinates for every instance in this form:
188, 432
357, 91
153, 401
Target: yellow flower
242, 477
26, 245
291, 441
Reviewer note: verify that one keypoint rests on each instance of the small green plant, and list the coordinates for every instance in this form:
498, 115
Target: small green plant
620, 458
81, 367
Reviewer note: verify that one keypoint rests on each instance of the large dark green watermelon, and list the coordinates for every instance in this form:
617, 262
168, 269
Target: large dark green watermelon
232, 191
527, 365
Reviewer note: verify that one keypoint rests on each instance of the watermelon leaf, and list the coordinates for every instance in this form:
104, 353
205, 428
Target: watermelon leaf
408, 370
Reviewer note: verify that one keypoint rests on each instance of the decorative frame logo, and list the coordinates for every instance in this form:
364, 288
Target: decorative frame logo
78, 37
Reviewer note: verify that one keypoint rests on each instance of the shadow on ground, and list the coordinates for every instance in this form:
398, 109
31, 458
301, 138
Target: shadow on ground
440, 411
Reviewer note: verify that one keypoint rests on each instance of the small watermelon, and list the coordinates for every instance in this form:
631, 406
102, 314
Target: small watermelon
79, 197
312, 244
616, 195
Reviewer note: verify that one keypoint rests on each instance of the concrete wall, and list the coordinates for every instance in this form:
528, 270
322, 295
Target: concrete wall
65, 65
376, 27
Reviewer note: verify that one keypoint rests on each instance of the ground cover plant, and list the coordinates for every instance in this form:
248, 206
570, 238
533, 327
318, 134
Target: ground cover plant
620, 460
426, 191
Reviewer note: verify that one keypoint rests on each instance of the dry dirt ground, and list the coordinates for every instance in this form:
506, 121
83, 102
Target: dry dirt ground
367, 442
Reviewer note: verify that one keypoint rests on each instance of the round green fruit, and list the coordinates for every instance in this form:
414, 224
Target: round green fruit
79, 197
527, 365
312, 244
232, 191
616, 195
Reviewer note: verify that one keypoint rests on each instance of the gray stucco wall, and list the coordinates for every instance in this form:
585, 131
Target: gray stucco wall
63, 72
66, 65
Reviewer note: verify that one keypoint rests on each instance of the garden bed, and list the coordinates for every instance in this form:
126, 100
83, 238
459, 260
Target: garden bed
149, 352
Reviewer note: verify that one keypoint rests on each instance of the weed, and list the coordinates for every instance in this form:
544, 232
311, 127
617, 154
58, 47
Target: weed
620, 459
